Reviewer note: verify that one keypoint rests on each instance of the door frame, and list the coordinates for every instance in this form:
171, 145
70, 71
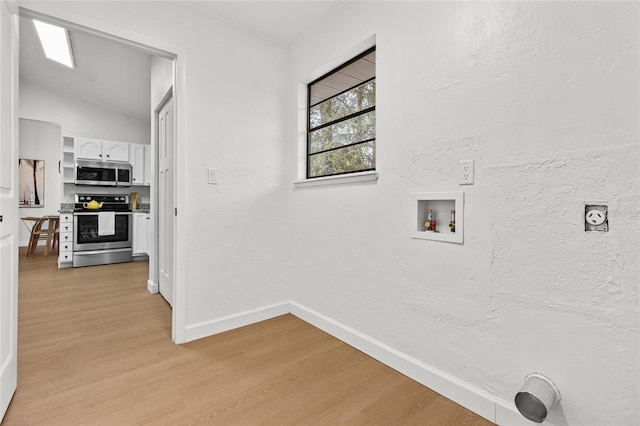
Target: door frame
54, 14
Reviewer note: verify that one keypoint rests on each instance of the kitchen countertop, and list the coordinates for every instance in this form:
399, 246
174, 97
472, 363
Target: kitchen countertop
68, 208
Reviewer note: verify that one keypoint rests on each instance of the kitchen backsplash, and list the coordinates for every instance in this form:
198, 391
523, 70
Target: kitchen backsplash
66, 207
143, 207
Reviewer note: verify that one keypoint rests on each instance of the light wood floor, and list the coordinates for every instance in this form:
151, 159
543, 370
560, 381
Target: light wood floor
95, 349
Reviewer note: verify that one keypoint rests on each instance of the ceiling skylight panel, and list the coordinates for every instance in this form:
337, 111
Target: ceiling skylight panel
55, 42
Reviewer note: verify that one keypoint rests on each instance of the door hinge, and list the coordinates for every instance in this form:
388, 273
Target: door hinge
176, 211
0, 218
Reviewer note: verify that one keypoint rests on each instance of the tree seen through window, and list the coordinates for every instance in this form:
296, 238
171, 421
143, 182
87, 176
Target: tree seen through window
342, 120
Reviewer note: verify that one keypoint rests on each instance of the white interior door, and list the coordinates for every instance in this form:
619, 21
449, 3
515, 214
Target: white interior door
166, 200
8, 202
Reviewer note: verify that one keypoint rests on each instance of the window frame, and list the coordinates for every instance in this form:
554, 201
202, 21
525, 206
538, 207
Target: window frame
341, 119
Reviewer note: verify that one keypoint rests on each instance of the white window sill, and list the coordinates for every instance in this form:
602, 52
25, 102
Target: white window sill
337, 180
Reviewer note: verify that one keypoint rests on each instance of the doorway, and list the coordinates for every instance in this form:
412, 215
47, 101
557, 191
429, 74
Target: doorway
160, 52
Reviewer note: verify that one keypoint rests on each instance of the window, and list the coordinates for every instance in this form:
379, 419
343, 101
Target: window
341, 123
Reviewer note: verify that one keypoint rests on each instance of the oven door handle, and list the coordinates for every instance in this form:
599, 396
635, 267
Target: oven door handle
92, 213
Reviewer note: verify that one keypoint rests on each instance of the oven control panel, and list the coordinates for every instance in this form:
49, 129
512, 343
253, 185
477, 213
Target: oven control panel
118, 202
101, 198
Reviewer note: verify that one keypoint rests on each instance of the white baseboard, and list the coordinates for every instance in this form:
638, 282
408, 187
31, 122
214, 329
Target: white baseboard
153, 287
507, 415
477, 400
470, 397
209, 328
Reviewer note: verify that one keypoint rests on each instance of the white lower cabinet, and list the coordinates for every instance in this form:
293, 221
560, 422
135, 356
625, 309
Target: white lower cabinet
65, 257
141, 233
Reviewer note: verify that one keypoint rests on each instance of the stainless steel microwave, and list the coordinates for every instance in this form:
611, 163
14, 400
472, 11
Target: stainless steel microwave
102, 173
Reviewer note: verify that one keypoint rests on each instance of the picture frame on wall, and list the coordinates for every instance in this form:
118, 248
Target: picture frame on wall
31, 182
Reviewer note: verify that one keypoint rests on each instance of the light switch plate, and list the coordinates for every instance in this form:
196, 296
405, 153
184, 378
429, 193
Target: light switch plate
213, 177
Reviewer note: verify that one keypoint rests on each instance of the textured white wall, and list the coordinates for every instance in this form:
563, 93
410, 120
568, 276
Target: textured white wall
544, 97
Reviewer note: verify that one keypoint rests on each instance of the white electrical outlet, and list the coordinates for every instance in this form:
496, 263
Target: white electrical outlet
596, 217
465, 172
213, 177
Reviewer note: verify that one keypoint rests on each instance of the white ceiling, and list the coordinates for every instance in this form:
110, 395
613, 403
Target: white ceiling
108, 73
117, 76
280, 20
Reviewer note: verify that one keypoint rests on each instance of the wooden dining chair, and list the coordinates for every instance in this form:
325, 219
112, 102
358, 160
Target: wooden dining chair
56, 239
36, 233
49, 233
53, 236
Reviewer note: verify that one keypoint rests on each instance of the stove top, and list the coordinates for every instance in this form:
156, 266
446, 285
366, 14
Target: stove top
118, 202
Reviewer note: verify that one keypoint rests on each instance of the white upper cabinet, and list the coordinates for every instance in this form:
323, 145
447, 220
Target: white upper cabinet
137, 164
147, 165
141, 164
97, 149
115, 151
88, 149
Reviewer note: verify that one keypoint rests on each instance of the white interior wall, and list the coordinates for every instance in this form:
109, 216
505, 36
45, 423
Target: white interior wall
236, 106
161, 79
41, 140
80, 118
544, 97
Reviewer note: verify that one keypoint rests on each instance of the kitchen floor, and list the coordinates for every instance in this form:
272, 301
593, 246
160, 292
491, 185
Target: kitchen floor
95, 348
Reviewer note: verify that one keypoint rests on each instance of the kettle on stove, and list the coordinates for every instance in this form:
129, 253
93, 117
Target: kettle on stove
92, 205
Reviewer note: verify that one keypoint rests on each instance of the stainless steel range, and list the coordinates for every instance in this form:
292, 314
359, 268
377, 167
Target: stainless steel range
101, 235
